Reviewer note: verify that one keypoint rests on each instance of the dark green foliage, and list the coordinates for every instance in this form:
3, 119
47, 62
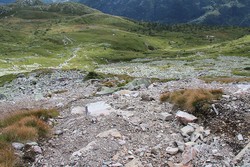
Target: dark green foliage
93, 75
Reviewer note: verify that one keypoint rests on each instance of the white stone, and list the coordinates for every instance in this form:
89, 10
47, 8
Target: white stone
18, 146
171, 150
187, 130
78, 110
185, 117
99, 108
240, 137
112, 132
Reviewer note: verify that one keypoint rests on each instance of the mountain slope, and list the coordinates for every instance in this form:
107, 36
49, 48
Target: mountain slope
220, 12
73, 36
212, 12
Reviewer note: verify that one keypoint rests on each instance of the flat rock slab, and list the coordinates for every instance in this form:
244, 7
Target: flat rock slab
98, 109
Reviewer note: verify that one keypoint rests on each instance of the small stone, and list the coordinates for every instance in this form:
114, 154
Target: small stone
190, 144
134, 163
59, 105
171, 164
2, 96
240, 137
189, 154
130, 152
214, 151
187, 130
78, 110
207, 132
18, 146
226, 96
145, 97
32, 143
58, 132
116, 164
171, 150
121, 142
37, 149
144, 127
112, 132
165, 116
181, 145
185, 117
195, 136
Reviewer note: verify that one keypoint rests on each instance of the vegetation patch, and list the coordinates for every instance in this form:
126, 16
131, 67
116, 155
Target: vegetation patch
192, 100
22, 126
93, 75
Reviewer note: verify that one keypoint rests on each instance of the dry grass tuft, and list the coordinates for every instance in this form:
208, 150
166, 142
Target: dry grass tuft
22, 126
42, 114
192, 99
7, 157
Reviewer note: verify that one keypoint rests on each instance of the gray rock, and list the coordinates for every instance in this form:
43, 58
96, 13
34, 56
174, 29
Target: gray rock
195, 136
37, 149
98, 108
32, 143
134, 163
58, 132
106, 91
240, 137
121, 142
145, 97
78, 110
112, 132
116, 164
185, 117
137, 84
187, 130
171, 150
82, 151
2, 97
17, 146
144, 127
181, 145
165, 116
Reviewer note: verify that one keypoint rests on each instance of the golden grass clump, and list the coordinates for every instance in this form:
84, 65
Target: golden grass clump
42, 114
192, 99
28, 128
22, 126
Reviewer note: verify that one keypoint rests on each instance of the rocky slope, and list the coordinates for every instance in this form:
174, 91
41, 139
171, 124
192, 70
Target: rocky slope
130, 127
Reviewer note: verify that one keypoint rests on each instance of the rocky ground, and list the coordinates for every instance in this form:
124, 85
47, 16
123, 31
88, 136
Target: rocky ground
129, 126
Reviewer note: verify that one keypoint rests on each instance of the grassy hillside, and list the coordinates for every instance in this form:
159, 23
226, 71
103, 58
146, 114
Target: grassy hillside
74, 36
